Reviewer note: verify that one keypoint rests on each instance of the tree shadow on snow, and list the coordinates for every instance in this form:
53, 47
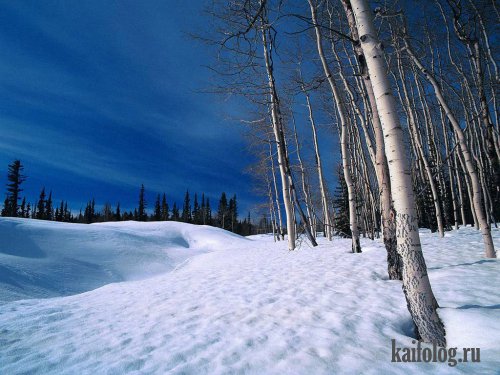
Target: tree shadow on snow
466, 307
464, 264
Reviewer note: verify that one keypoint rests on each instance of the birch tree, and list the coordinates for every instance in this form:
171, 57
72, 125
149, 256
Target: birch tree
344, 123
416, 285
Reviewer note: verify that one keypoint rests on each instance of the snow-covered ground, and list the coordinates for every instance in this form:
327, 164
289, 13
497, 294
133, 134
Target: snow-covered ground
182, 299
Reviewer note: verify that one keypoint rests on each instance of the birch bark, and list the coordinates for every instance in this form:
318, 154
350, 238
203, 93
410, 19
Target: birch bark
416, 285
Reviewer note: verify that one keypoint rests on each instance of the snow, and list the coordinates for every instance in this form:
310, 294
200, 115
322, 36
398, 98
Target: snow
183, 299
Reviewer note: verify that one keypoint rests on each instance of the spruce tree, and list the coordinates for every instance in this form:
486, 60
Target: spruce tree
164, 208
60, 212
196, 210
118, 214
341, 205
208, 213
40, 207
141, 213
222, 212
175, 213
67, 213
22, 212
87, 215
186, 209
49, 210
15, 179
203, 209
6, 207
92, 210
157, 213
107, 212
233, 213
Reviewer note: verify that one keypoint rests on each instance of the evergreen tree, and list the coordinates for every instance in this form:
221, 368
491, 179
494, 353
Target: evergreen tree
67, 213
141, 213
107, 212
233, 213
164, 208
92, 211
157, 213
118, 214
87, 215
22, 212
6, 207
175, 213
49, 209
222, 212
208, 213
203, 209
28, 209
186, 209
341, 206
40, 207
15, 178
197, 219
60, 212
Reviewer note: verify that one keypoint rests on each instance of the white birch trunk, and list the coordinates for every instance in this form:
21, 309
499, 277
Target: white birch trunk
381, 167
353, 222
322, 188
416, 285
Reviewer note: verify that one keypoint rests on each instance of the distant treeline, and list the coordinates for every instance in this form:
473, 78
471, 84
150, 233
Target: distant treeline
197, 212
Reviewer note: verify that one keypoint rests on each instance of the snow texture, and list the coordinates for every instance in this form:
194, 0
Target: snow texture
183, 299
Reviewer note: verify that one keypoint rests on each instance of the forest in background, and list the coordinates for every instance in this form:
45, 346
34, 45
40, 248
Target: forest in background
197, 212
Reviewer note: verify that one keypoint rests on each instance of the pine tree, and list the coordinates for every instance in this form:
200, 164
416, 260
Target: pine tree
118, 214
157, 213
141, 213
341, 206
60, 212
67, 213
222, 212
186, 209
49, 209
196, 211
40, 207
87, 215
107, 212
15, 179
28, 210
164, 208
175, 213
22, 212
233, 213
6, 207
208, 213
203, 209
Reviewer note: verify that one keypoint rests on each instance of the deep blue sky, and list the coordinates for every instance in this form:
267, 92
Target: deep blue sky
97, 97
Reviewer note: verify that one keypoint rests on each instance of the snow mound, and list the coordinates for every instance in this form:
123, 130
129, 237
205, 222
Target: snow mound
251, 307
48, 259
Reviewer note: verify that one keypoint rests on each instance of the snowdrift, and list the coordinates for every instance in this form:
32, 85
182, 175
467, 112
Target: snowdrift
250, 307
49, 259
